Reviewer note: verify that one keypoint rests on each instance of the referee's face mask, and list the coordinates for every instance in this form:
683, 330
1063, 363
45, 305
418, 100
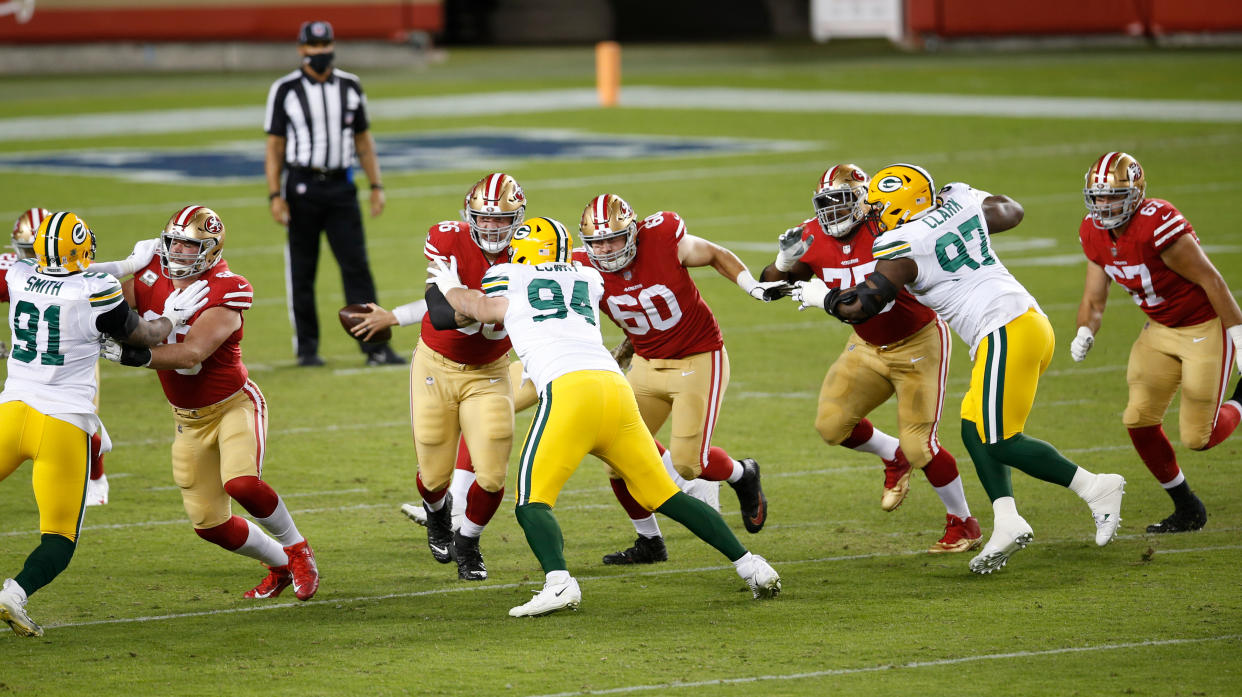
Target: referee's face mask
318, 58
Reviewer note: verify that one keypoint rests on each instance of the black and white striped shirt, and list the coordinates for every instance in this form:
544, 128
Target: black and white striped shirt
317, 119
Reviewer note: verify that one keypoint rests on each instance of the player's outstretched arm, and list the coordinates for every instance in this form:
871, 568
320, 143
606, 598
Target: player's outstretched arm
1090, 310
144, 251
208, 332
695, 251
1002, 213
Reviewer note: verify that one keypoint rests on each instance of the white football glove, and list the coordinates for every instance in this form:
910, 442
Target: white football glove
1081, 344
790, 248
444, 276
4, 350
144, 252
182, 303
810, 294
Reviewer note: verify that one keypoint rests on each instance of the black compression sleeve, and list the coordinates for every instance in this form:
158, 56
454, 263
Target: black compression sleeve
442, 314
118, 323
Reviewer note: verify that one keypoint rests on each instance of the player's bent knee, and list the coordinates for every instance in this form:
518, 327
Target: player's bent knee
832, 426
918, 453
1136, 417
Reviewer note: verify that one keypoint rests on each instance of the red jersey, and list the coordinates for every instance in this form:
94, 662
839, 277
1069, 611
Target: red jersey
221, 374
477, 343
1132, 259
7, 260
844, 263
654, 300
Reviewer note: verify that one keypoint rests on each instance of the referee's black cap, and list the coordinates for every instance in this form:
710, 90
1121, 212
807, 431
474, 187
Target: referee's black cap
315, 32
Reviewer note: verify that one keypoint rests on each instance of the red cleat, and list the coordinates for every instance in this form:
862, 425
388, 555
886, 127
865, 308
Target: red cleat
896, 481
959, 535
278, 579
304, 570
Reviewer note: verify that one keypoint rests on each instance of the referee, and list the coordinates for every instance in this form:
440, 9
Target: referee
316, 123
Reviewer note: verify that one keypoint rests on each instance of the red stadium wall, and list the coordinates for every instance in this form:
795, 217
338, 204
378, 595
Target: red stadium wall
57, 21
967, 18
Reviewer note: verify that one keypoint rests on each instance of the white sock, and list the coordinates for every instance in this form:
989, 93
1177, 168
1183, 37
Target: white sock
557, 577
647, 527
259, 546
281, 526
462, 479
1181, 477
880, 443
469, 528
1083, 483
433, 507
737, 472
953, 496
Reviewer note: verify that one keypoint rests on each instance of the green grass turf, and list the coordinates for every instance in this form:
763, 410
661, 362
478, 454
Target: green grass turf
148, 608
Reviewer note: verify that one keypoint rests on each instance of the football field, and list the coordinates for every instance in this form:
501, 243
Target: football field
734, 139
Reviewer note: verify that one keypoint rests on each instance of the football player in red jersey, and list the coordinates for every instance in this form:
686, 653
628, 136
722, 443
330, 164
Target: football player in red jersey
221, 415
24, 229
679, 367
1193, 336
903, 350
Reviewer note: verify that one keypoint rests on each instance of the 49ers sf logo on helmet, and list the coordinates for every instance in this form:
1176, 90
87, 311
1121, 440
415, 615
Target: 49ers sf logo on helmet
213, 225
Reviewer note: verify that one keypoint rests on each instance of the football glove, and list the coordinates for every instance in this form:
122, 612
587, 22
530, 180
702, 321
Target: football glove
767, 291
444, 276
810, 293
1081, 344
790, 248
182, 303
623, 354
136, 357
4, 350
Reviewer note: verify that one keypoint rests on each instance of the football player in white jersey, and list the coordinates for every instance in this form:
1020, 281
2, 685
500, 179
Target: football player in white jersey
58, 314
551, 310
937, 246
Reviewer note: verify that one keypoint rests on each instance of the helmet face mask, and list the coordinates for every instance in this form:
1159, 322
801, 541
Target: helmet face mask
899, 194
64, 244
539, 241
1115, 188
197, 227
24, 229
838, 199
494, 208
607, 219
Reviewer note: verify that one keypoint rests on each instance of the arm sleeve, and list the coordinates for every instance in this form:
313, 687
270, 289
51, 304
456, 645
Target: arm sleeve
442, 314
118, 322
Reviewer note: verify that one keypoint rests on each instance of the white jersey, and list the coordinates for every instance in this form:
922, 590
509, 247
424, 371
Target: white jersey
553, 318
959, 275
55, 342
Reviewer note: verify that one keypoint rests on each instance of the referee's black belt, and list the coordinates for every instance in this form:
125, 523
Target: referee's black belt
319, 173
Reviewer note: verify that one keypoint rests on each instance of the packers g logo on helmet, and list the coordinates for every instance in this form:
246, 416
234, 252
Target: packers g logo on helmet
540, 240
24, 229
899, 194
64, 244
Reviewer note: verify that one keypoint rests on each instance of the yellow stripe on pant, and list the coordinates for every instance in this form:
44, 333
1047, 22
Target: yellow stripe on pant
61, 455
590, 411
1005, 376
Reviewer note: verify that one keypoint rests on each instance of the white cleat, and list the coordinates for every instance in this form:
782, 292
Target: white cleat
706, 491
1006, 539
763, 580
1105, 503
13, 611
415, 512
557, 594
97, 491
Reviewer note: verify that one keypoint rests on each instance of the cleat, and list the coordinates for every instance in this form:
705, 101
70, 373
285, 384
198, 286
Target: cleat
415, 512
704, 490
1006, 539
750, 497
384, 356
13, 611
304, 570
310, 360
555, 595
646, 550
97, 491
1183, 519
762, 579
1105, 505
440, 530
278, 579
896, 481
469, 560
959, 535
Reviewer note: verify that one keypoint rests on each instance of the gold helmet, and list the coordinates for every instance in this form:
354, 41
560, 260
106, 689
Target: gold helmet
1115, 189
540, 240
64, 244
24, 231
608, 217
838, 199
198, 226
497, 195
900, 193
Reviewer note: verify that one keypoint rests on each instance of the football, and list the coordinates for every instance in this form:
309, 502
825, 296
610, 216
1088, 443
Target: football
349, 323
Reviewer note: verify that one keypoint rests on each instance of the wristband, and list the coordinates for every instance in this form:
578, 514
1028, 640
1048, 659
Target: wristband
410, 313
746, 282
376, 187
273, 195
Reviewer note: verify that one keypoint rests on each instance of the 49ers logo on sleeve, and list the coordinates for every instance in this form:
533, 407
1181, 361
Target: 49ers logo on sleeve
213, 225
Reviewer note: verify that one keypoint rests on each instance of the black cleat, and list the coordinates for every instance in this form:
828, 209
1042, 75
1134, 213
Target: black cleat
646, 550
440, 530
1184, 519
384, 356
310, 360
469, 559
750, 497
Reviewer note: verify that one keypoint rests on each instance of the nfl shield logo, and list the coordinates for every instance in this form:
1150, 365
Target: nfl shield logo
845, 248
